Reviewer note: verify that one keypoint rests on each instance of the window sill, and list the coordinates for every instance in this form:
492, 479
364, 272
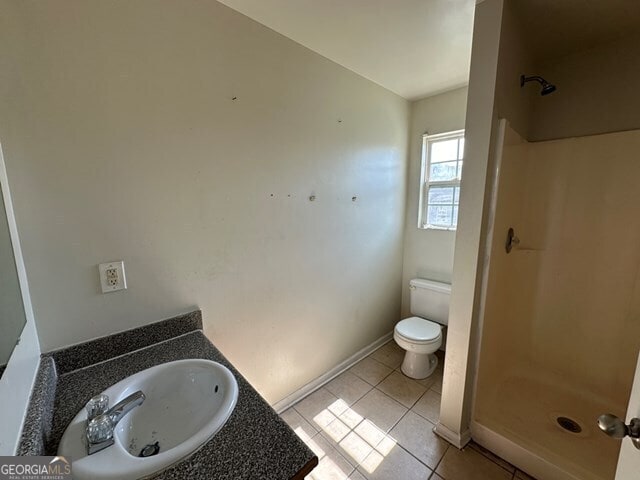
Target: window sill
437, 229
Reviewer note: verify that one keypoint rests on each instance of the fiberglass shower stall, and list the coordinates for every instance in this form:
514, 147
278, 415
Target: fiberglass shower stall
561, 324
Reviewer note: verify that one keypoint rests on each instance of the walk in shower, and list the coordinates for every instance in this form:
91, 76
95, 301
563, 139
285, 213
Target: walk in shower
561, 323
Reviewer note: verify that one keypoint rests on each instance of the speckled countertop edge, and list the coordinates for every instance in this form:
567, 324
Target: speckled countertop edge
38, 420
254, 443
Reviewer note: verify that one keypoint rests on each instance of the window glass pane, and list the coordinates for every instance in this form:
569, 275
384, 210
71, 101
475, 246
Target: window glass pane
457, 196
439, 172
455, 216
441, 195
444, 150
461, 149
439, 215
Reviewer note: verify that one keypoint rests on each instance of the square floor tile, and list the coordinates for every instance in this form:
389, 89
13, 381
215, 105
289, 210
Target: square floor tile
354, 448
428, 406
435, 476
415, 434
428, 382
390, 354
356, 475
327, 469
351, 418
397, 464
348, 387
401, 388
298, 424
468, 464
379, 409
370, 370
382, 443
320, 408
335, 431
332, 465
437, 385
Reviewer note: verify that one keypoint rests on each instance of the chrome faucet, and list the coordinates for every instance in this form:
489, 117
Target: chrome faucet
102, 420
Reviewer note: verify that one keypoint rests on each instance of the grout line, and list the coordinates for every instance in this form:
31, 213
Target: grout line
398, 443
416, 458
442, 458
381, 380
355, 401
335, 449
303, 418
389, 396
422, 416
492, 460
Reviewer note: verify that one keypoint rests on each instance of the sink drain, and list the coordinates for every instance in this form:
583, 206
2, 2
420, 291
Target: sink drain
150, 450
569, 424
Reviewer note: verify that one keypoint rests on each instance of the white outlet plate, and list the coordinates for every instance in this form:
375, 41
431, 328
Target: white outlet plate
112, 276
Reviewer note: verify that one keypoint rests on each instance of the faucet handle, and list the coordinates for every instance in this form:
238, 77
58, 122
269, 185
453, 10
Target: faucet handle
100, 429
97, 406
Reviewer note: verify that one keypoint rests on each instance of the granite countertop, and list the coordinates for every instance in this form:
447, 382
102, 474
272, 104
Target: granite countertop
254, 443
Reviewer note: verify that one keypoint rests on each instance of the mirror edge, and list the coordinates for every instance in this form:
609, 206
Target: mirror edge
19, 375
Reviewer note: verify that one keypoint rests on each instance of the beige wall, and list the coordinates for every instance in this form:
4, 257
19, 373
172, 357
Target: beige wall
514, 59
428, 253
597, 92
123, 141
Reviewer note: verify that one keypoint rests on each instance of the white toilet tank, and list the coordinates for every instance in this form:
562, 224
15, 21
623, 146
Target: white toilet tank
430, 300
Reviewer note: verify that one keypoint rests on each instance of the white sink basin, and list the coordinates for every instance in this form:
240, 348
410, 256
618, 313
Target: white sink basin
187, 403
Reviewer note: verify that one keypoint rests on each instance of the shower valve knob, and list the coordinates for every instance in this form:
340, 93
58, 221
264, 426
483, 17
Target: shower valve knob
616, 428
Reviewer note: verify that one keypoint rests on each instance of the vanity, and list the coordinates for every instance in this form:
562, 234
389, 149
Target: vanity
253, 442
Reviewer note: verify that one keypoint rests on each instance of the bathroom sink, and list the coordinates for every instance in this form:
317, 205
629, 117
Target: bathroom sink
187, 402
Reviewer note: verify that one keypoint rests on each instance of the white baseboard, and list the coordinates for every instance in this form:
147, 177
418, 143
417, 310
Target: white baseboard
325, 378
458, 440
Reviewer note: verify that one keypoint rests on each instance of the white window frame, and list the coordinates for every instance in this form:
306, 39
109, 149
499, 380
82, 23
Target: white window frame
425, 182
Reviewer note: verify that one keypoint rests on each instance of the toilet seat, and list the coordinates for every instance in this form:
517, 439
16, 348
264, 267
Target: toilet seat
419, 331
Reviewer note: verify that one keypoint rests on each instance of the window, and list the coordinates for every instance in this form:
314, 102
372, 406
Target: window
440, 180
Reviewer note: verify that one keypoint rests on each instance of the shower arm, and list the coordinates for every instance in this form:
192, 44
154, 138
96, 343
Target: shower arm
536, 78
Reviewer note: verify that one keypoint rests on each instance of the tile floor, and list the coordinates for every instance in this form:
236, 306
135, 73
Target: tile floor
372, 422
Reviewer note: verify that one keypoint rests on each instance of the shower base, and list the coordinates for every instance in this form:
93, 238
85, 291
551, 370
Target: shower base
518, 420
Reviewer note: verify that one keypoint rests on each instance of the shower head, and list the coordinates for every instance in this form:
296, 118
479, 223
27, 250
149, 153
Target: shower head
547, 87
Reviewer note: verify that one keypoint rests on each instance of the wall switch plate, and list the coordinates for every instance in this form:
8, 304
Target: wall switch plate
112, 276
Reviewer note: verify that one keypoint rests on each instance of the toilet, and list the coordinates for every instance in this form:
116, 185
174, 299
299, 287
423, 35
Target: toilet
421, 335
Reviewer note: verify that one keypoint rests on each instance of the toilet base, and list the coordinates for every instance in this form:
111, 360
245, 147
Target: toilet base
419, 365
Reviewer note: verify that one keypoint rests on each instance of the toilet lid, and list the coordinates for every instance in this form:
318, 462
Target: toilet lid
418, 329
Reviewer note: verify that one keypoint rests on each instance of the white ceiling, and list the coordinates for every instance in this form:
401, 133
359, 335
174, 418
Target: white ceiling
414, 48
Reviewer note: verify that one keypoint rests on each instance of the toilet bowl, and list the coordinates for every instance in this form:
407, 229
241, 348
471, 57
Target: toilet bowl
421, 335
421, 339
